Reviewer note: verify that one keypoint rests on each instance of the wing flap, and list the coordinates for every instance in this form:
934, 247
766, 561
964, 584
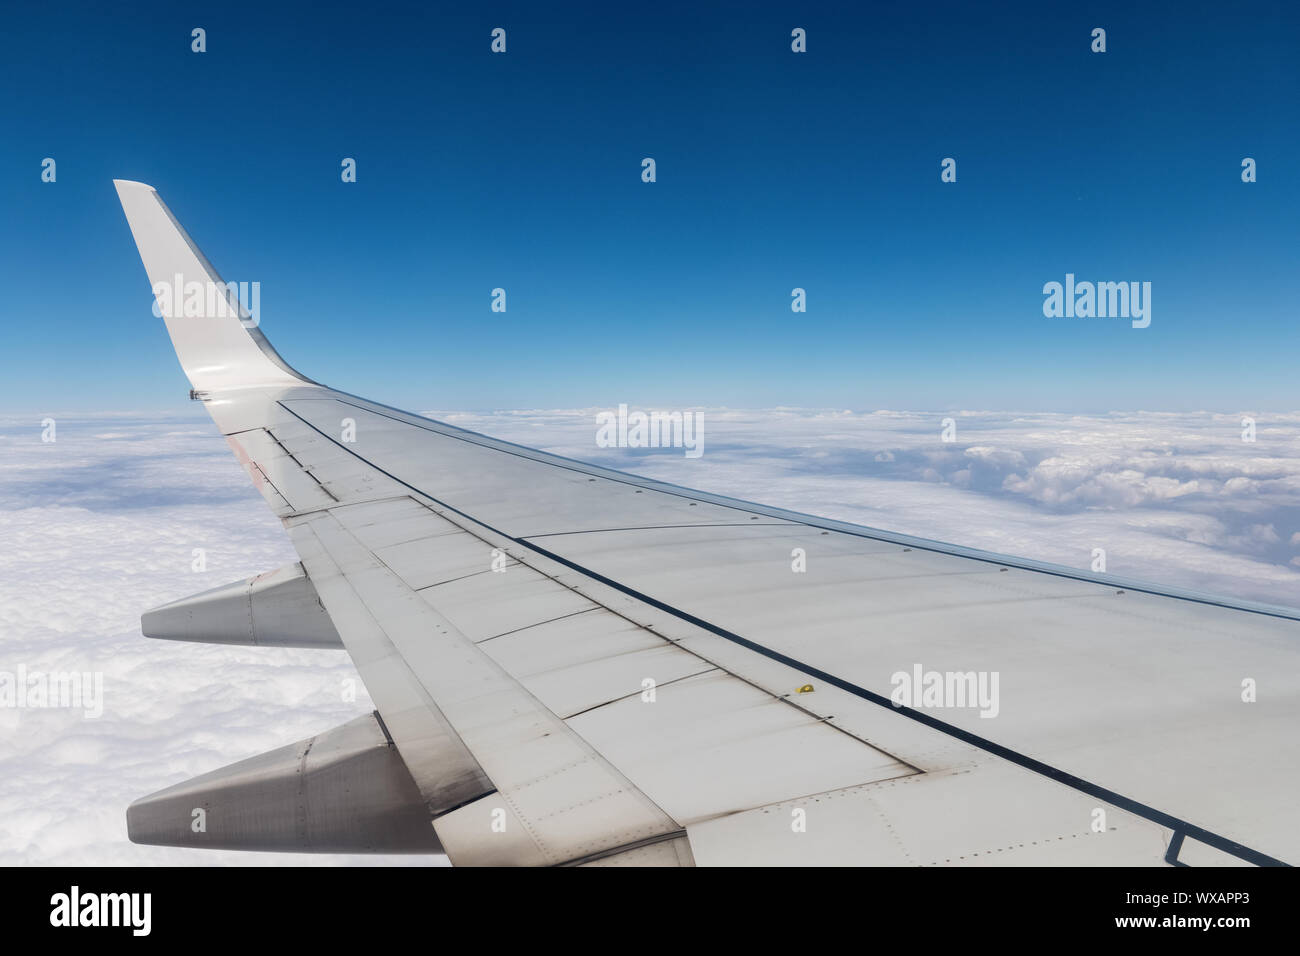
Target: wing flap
556, 796
1008, 817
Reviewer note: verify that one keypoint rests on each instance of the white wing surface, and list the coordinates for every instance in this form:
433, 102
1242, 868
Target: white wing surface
580, 666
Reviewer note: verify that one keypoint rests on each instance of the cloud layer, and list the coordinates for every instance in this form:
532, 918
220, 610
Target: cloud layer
1175, 499
95, 528
102, 524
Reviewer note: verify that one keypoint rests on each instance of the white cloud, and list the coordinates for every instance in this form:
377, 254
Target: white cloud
100, 526
94, 529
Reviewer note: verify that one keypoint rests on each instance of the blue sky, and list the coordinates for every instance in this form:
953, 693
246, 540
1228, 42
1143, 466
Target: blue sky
775, 170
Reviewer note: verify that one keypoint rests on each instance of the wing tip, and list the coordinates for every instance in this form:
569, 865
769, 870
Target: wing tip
124, 185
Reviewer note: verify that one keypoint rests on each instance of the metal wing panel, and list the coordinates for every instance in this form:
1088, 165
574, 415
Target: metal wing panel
442, 766
1138, 693
273, 469
516, 494
1008, 817
564, 800
711, 745
866, 609
704, 740
581, 661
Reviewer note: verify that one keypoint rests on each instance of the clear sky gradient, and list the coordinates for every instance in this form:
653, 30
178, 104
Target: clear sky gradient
775, 170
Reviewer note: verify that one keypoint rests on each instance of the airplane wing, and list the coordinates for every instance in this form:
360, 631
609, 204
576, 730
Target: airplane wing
572, 665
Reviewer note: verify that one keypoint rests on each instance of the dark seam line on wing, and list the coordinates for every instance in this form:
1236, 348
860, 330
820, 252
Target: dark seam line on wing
435, 584
379, 719
321, 485
638, 692
306, 471
1029, 763
271, 483
464, 803
585, 610
668, 527
738, 504
279, 443
614, 851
